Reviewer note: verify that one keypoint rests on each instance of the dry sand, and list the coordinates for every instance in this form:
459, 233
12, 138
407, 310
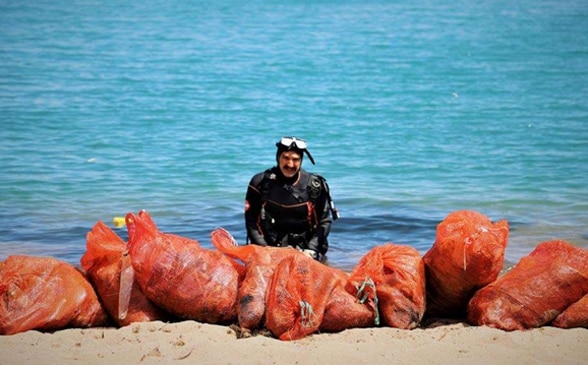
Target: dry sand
190, 342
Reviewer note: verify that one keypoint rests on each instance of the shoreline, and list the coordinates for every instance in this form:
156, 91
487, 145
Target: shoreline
441, 342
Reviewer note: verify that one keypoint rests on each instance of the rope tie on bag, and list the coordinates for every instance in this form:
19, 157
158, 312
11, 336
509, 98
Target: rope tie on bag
306, 314
363, 295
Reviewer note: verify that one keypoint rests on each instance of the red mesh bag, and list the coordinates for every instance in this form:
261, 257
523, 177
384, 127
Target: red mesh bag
540, 287
468, 254
297, 297
345, 310
302, 298
46, 294
181, 277
148, 221
260, 263
398, 273
576, 315
108, 266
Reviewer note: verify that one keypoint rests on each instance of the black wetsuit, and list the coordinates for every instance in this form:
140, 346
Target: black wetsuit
288, 212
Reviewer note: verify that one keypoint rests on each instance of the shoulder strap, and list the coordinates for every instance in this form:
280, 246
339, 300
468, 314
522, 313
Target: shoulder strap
315, 184
264, 184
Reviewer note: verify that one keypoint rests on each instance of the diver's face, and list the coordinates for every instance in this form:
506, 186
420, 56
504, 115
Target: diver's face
290, 162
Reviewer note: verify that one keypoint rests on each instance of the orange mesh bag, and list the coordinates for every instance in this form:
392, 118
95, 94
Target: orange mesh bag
148, 221
297, 297
45, 294
541, 286
260, 263
576, 315
398, 274
344, 310
468, 254
108, 266
181, 277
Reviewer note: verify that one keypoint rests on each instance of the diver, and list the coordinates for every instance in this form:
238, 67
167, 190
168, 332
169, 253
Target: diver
285, 206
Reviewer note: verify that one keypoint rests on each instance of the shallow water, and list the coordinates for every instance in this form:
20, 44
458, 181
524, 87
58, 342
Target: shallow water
411, 111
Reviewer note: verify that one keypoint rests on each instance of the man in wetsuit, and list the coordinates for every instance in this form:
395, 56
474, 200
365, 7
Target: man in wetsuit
286, 206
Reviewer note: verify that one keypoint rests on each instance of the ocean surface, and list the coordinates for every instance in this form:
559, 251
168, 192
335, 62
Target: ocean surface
412, 110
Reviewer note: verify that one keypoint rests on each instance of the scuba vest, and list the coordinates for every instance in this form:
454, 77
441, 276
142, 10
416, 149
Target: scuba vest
288, 214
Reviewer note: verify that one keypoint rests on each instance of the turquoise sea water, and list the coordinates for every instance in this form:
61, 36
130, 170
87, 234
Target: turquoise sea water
411, 110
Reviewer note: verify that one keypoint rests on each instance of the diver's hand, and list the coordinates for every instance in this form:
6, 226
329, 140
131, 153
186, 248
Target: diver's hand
310, 253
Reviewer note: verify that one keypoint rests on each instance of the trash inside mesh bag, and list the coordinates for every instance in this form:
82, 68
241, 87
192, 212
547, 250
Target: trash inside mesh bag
343, 310
540, 287
180, 276
260, 263
46, 294
305, 296
468, 253
398, 274
107, 264
355, 309
576, 315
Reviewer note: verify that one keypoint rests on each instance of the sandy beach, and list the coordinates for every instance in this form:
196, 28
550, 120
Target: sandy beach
197, 343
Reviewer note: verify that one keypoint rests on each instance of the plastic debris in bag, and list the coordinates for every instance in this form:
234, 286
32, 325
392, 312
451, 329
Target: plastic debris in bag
576, 315
107, 264
468, 253
540, 287
180, 276
304, 296
398, 274
260, 263
46, 294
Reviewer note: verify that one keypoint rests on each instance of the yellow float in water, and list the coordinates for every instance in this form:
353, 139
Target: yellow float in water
118, 221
